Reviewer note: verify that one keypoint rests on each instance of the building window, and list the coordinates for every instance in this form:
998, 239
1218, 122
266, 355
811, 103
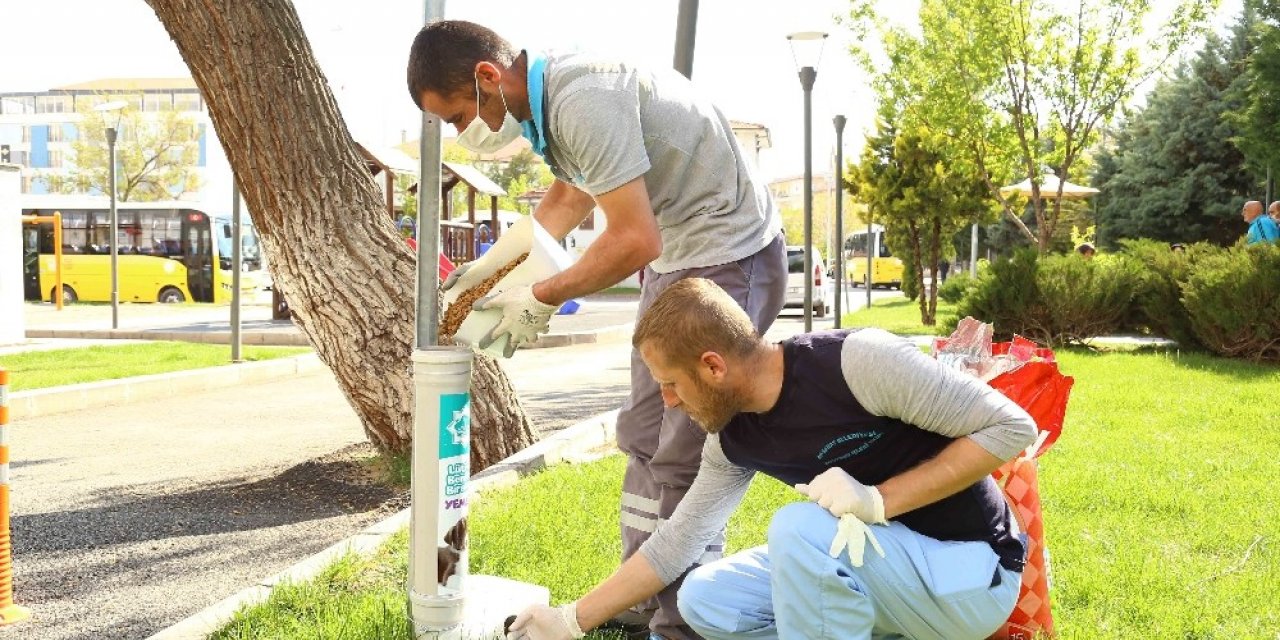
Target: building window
55, 133
53, 104
26, 183
157, 101
186, 102
55, 158
26, 134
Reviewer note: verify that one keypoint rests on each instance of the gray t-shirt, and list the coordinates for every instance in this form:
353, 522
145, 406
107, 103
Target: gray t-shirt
610, 122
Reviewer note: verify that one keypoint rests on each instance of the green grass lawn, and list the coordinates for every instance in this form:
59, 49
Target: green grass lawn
1159, 500
898, 315
57, 367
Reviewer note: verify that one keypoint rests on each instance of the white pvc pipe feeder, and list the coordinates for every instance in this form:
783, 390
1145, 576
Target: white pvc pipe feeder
441, 468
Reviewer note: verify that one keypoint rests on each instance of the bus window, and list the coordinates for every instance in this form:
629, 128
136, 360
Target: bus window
855, 246
75, 235
250, 253
884, 248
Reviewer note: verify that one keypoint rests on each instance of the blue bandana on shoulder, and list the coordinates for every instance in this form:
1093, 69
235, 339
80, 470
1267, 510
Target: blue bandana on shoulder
535, 129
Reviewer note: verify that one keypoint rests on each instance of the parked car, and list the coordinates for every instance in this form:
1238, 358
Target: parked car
796, 278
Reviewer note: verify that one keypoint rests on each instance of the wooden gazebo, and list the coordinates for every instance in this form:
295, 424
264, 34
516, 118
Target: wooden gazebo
457, 239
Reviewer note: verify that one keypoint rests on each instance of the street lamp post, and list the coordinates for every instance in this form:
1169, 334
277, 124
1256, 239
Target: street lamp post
116, 107
839, 121
806, 51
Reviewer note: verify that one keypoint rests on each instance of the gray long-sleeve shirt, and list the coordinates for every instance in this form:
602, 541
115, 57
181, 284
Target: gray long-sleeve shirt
888, 377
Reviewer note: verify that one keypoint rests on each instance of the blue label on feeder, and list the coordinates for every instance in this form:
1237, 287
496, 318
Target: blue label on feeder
455, 425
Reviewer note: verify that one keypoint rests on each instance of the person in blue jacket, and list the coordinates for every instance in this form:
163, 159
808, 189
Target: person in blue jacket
1261, 227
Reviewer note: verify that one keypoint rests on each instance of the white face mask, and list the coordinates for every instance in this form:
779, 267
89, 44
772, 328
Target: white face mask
478, 138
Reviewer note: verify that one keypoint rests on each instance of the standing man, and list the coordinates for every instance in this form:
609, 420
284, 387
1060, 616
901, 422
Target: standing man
679, 198
1261, 228
905, 534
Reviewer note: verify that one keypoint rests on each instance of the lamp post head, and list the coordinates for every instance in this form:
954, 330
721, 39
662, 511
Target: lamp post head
839, 121
806, 53
107, 108
806, 48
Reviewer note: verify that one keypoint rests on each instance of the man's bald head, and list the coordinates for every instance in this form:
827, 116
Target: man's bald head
1252, 209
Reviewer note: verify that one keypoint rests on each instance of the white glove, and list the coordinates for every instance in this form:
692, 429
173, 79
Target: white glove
839, 493
516, 240
523, 317
854, 534
540, 622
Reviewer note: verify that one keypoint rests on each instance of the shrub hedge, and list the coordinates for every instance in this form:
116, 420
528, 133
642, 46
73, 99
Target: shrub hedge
1224, 300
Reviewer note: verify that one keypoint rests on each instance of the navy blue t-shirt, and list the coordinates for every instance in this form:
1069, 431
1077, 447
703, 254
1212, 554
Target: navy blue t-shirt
817, 424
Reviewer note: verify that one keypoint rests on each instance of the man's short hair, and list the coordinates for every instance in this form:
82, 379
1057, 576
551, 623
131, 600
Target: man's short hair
694, 316
1085, 248
444, 56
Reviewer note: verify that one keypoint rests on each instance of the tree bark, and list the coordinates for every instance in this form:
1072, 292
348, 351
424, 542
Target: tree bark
348, 277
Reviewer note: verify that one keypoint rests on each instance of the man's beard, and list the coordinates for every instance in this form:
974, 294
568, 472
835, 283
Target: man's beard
715, 407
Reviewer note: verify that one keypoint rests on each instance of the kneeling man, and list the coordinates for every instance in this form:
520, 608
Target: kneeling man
893, 450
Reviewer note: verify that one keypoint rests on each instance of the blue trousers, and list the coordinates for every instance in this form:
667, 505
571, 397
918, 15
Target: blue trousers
792, 588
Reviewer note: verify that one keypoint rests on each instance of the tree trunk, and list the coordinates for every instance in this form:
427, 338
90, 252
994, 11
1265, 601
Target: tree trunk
348, 277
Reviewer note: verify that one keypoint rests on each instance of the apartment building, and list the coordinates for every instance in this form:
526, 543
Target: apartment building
37, 128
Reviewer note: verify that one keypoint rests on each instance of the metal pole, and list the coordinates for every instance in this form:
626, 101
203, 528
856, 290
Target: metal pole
686, 32
871, 249
442, 379
839, 122
973, 252
115, 272
807, 77
429, 151
235, 271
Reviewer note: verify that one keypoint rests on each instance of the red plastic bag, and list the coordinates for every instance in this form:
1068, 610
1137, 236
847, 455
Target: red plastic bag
1032, 380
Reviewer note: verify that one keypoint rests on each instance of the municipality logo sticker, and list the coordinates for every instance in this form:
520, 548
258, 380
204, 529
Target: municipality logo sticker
455, 425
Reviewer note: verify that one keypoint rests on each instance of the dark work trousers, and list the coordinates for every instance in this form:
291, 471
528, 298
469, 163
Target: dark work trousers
663, 445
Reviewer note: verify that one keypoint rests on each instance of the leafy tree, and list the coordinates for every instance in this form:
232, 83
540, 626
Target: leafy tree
1173, 172
1260, 115
913, 189
1019, 85
523, 172
155, 155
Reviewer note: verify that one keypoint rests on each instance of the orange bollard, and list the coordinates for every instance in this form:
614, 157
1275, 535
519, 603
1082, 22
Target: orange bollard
9, 612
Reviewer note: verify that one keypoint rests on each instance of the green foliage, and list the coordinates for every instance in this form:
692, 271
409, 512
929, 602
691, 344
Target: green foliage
156, 155
910, 185
1017, 86
523, 172
1259, 116
1173, 173
42, 369
1158, 304
1055, 299
1233, 301
956, 287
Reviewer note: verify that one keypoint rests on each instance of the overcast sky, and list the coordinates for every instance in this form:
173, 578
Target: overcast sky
742, 58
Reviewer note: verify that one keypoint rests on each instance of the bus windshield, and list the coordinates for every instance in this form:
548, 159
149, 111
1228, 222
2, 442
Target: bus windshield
250, 252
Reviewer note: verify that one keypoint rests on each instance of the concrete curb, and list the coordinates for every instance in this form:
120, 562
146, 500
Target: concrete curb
43, 402
578, 443
296, 339
615, 333
255, 338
